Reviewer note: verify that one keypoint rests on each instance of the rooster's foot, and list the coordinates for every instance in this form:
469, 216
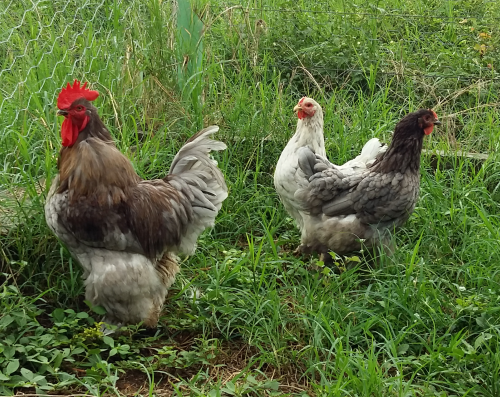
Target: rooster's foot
109, 327
299, 251
329, 262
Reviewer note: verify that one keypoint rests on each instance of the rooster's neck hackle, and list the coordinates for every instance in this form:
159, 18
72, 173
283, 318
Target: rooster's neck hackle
96, 129
93, 164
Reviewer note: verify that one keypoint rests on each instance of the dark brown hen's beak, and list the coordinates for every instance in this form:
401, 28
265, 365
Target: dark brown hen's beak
437, 122
62, 112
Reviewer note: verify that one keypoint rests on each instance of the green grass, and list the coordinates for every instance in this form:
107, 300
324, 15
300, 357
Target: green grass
245, 317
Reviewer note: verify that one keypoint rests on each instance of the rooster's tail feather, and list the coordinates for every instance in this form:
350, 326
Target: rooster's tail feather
205, 180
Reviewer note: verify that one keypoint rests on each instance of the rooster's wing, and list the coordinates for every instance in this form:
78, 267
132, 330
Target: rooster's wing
144, 218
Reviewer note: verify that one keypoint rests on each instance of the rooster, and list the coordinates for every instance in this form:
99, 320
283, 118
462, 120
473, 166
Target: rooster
346, 210
126, 231
289, 177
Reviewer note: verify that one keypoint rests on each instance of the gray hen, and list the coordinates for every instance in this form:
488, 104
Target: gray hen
289, 177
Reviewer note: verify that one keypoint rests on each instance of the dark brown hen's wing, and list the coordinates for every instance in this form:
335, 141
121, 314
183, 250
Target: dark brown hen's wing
326, 182
374, 197
378, 198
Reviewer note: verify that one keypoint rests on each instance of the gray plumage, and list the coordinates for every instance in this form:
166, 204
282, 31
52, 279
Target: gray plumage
345, 209
304, 156
125, 231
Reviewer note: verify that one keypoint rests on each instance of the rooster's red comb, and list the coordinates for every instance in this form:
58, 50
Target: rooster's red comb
69, 94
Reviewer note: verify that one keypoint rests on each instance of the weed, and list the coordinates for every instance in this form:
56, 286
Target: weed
246, 317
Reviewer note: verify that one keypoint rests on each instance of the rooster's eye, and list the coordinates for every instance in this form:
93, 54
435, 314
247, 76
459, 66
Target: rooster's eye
79, 108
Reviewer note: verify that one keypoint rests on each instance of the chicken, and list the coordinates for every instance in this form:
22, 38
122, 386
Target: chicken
288, 176
126, 231
345, 210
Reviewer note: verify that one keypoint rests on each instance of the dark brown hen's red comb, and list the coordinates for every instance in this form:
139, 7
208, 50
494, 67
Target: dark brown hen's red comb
69, 94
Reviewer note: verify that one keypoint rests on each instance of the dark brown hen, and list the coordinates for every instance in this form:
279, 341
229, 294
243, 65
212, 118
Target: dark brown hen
125, 231
348, 209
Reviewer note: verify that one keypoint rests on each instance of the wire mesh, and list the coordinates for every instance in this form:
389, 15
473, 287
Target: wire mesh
114, 43
353, 37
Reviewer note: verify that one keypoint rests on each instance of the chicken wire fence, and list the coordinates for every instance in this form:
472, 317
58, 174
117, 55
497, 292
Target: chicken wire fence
125, 47
440, 53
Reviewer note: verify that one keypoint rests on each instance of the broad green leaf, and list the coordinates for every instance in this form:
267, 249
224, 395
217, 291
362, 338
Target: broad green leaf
27, 374
403, 348
109, 341
12, 366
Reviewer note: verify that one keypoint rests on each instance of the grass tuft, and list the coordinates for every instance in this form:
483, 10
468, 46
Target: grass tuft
246, 317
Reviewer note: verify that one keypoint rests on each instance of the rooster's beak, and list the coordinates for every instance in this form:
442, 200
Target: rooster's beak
62, 113
297, 108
